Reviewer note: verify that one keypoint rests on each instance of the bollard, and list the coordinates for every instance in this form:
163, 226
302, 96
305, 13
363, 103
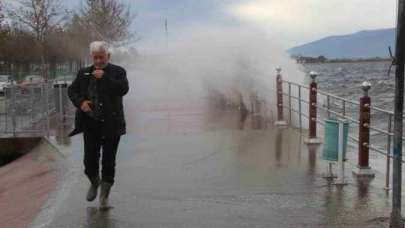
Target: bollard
13, 111
60, 100
363, 168
312, 139
342, 152
280, 119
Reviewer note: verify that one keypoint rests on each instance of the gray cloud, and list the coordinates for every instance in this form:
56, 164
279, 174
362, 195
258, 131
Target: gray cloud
291, 21
299, 21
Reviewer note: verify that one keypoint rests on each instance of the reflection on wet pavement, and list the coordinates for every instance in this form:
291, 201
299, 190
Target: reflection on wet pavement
99, 218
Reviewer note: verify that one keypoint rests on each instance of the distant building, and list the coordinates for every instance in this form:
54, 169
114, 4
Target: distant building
303, 59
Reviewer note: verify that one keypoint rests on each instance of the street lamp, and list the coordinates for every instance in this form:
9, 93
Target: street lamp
396, 217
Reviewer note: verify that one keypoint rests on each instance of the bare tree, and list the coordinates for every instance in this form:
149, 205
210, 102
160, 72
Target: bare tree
79, 37
2, 32
39, 16
18, 48
108, 20
40, 32
1, 13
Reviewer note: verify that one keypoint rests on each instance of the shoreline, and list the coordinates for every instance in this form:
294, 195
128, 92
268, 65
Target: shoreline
347, 61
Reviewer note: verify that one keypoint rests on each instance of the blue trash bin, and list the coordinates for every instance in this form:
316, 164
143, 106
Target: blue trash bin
330, 148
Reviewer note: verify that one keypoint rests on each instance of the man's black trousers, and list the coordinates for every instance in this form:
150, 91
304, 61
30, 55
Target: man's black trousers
94, 143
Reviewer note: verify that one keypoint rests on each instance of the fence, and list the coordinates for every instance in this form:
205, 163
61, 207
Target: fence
32, 110
373, 126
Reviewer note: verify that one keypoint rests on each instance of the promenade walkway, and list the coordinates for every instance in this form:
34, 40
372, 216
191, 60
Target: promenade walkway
186, 164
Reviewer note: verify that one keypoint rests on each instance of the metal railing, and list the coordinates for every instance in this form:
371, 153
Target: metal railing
32, 110
378, 129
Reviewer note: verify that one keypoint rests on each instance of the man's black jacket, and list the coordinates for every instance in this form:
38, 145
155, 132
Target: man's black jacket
111, 89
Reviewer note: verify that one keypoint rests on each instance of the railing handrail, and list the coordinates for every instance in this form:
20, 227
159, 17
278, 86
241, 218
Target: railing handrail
337, 97
339, 109
29, 109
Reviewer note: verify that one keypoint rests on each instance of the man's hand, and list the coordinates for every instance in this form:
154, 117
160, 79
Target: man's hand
85, 107
98, 73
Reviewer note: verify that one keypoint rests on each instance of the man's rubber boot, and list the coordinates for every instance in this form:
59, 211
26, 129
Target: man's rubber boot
105, 192
93, 190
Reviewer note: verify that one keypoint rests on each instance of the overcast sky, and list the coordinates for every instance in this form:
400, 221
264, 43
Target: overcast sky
304, 20
293, 21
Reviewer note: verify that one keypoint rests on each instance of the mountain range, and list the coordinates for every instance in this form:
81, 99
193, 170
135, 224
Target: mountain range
363, 44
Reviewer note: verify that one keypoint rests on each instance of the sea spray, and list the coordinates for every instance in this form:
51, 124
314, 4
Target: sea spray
195, 61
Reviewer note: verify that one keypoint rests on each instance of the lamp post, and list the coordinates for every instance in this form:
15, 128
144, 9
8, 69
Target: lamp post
396, 217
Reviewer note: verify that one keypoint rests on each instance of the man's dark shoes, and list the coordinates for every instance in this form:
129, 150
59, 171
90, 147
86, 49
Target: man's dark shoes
105, 192
93, 190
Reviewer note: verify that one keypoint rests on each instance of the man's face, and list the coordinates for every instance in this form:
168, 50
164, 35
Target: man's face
100, 58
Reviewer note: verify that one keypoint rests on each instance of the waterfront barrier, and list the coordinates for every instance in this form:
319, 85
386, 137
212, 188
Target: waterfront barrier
364, 136
33, 110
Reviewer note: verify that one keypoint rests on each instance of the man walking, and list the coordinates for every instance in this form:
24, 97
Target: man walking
98, 92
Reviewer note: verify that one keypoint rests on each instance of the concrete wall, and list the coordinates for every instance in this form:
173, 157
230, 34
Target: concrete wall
12, 148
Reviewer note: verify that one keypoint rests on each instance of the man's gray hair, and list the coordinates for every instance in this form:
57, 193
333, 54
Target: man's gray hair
98, 46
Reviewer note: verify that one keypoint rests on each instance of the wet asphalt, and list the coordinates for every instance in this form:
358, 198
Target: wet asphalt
194, 167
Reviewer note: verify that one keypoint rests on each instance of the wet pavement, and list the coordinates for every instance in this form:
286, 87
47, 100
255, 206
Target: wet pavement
187, 165
26, 184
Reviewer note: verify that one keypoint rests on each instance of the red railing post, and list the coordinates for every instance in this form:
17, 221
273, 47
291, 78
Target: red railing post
363, 168
280, 114
313, 92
